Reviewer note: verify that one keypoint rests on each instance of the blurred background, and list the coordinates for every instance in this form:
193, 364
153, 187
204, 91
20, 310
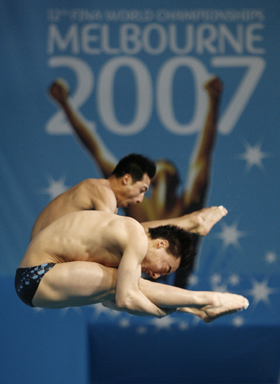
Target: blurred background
193, 85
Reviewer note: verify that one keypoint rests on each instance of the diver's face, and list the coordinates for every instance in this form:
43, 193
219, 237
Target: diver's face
158, 262
133, 193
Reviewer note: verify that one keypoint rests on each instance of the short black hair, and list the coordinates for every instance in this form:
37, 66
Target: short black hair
135, 165
180, 242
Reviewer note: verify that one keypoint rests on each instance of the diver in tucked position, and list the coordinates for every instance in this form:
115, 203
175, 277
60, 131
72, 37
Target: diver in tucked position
89, 257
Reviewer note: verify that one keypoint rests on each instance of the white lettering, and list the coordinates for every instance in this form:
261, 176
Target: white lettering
130, 38
254, 68
165, 93
245, 89
89, 38
144, 92
206, 35
155, 39
226, 36
189, 39
147, 39
251, 38
55, 39
106, 41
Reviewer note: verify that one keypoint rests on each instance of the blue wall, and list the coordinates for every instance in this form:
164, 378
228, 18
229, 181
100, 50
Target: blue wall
136, 73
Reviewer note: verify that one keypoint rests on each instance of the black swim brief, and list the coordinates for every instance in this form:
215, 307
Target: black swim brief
27, 281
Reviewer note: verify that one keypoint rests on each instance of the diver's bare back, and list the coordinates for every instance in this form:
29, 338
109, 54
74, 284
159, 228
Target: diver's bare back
80, 236
78, 198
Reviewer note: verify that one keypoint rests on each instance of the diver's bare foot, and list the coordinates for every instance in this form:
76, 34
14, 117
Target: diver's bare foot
207, 218
195, 311
59, 90
214, 86
224, 304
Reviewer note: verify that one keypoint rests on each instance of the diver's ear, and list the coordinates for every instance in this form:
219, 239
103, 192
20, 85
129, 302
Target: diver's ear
163, 243
127, 179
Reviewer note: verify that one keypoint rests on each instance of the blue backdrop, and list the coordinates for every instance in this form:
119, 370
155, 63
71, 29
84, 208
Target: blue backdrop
136, 73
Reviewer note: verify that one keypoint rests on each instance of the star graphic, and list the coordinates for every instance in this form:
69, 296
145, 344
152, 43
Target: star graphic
163, 323
64, 311
253, 155
183, 325
215, 279
219, 288
216, 283
195, 321
260, 292
238, 321
270, 257
230, 235
234, 280
141, 330
100, 309
124, 323
38, 309
55, 188
193, 280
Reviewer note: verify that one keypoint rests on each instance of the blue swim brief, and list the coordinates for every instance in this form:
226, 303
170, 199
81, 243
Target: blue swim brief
27, 281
